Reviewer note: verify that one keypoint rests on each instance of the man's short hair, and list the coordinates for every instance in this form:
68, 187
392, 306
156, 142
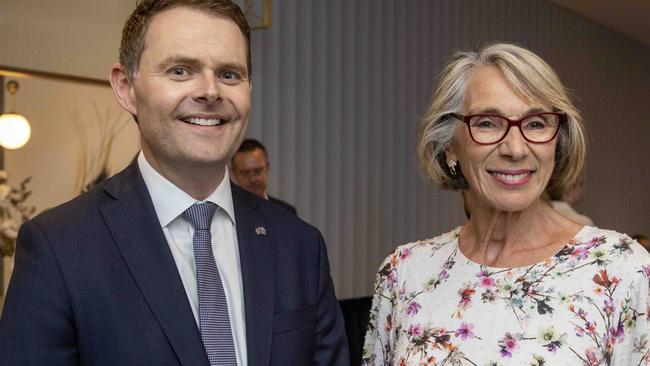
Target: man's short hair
249, 145
135, 28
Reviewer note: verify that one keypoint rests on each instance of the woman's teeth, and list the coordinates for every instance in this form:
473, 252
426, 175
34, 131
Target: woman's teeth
510, 177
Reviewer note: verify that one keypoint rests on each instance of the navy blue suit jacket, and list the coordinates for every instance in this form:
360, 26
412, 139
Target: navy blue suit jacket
95, 283
283, 204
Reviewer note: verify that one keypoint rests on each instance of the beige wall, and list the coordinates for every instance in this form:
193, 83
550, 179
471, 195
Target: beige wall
76, 37
54, 152
79, 37
52, 157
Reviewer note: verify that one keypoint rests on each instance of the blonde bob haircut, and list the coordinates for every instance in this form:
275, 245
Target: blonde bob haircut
535, 82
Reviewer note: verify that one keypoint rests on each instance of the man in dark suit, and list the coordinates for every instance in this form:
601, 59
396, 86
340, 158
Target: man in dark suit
250, 167
167, 263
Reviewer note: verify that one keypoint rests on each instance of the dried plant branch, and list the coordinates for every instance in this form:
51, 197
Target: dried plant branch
93, 163
13, 212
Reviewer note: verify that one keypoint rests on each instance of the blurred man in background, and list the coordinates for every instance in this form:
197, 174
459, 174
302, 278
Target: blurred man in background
250, 167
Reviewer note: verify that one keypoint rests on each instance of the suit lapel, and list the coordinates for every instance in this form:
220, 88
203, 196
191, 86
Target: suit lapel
132, 220
257, 256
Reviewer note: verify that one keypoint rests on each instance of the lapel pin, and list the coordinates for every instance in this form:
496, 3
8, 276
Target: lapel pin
260, 230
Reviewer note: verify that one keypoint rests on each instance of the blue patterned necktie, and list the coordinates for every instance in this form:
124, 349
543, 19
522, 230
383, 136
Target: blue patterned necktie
214, 322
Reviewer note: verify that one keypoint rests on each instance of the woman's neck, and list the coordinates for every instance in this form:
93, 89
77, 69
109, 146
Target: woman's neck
512, 239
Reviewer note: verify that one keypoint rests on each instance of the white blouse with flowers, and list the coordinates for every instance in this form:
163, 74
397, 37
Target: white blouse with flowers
586, 305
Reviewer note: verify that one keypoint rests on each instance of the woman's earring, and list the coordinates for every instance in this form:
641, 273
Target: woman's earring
452, 166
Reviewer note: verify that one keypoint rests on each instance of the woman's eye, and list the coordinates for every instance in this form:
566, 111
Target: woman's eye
486, 123
535, 124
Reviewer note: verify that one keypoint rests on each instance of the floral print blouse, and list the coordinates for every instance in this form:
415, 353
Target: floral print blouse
586, 305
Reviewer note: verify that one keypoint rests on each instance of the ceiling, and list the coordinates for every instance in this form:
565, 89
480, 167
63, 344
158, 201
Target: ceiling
629, 17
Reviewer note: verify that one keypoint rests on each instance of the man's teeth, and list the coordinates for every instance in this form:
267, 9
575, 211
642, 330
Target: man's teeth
510, 177
205, 122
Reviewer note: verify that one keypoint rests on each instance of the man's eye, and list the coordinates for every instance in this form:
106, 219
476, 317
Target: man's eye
230, 75
178, 71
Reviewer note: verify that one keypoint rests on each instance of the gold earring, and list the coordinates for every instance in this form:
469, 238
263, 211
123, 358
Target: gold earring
452, 166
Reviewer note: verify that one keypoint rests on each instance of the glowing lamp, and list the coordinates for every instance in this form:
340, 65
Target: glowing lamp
14, 131
14, 128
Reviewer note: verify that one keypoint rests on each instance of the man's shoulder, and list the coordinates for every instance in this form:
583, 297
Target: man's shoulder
275, 214
283, 204
79, 209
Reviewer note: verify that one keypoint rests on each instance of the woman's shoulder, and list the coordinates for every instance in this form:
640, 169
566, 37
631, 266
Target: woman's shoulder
423, 248
416, 258
592, 235
619, 249
589, 231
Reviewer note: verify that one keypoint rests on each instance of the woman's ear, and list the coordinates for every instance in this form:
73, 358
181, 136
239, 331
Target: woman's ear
450, 152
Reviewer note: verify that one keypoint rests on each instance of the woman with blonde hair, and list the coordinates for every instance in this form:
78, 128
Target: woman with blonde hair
518, 284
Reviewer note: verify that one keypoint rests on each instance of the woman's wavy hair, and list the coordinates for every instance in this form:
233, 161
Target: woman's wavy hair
532, 78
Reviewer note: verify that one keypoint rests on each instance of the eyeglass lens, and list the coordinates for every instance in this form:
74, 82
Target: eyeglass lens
537, 128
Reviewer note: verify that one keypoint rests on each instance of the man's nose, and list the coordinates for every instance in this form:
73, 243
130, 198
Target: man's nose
207, 90
256, 176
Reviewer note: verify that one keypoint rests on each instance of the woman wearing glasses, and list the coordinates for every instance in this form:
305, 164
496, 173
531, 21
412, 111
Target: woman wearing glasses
518, 284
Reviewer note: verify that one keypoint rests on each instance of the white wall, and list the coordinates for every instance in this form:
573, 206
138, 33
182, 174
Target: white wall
338, 86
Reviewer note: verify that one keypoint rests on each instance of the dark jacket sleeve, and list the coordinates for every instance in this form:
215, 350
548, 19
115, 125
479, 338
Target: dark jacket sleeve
37, 326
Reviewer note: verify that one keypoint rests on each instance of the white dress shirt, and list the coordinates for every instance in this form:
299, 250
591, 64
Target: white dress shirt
170, 202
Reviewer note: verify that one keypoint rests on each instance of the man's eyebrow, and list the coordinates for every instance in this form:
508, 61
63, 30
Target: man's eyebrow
173, 60
183, 60
234, 66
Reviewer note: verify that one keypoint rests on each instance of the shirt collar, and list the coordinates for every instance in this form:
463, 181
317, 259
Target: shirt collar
169, 201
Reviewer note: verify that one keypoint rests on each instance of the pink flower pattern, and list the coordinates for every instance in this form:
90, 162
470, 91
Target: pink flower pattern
586, 305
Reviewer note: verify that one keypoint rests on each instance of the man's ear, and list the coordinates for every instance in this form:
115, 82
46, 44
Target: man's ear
123, 89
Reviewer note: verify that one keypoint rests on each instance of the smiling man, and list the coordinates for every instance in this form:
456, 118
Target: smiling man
168, 263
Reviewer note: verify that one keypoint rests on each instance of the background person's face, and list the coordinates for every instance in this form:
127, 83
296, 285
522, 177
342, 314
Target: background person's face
250, 169
509, 175
191, 93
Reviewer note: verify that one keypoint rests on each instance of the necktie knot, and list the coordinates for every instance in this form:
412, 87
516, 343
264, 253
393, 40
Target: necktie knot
200, 215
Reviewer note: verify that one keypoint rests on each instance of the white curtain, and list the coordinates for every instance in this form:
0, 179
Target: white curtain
338, 87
